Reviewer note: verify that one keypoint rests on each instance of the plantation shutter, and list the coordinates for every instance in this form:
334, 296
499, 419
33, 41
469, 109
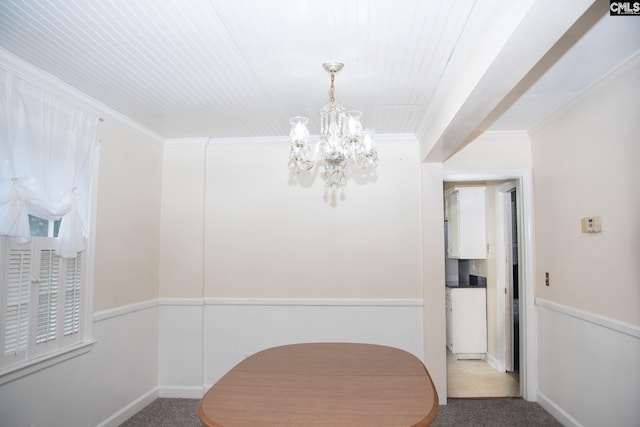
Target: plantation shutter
72, 284
16, 316
48, 284
41, 306
57, 320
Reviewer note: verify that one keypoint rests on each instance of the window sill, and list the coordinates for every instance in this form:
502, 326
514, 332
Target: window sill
31, 366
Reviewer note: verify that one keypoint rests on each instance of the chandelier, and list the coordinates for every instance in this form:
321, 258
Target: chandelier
342, 140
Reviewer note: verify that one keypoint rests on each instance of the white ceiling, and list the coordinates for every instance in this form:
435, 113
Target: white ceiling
241, 68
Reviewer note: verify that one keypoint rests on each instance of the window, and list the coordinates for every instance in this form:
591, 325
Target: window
48, 170
42, 309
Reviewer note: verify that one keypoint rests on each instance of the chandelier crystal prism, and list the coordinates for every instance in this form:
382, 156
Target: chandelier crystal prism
342, 140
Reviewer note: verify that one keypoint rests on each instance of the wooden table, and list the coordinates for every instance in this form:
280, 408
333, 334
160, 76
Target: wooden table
323, 384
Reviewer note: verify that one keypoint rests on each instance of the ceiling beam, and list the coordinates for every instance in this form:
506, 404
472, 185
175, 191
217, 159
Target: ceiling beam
517, 37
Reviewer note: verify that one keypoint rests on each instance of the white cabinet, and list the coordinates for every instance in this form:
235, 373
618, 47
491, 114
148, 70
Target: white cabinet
465, 212
467, 322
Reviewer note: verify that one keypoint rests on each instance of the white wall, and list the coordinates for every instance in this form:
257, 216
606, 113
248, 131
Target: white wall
585, 161
201, 341
128, 217
253, 257
586, 164
433, 277
182, 219
267, 236
493, 151
589, 367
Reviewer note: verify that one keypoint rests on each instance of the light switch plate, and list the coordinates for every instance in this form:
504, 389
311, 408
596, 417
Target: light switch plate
591, 224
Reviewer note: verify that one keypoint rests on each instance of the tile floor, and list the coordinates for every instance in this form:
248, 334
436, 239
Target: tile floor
476, 378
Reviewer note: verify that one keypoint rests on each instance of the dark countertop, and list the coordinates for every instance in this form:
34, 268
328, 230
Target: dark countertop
463, 285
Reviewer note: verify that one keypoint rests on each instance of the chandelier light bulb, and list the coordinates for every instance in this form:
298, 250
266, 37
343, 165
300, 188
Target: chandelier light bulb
299, 132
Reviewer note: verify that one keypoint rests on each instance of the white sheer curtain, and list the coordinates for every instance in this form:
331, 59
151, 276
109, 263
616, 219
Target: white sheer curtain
46, 148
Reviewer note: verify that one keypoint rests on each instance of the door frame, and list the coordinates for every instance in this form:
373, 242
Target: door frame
504, 306
528, 326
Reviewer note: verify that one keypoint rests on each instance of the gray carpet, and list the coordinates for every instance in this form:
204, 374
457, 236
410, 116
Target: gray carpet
458, 412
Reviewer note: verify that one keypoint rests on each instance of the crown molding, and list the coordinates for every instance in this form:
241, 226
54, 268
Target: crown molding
251, 140
68, 93
395, 137
617, 75
182, 142
262, 140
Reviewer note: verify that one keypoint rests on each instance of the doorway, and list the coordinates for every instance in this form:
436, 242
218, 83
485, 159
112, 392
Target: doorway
507, 357
509, 229
512, 355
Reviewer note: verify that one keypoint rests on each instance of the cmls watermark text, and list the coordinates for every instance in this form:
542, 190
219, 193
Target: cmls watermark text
619, 8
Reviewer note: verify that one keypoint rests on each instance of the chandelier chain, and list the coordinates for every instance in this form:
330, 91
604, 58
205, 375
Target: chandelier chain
332, 87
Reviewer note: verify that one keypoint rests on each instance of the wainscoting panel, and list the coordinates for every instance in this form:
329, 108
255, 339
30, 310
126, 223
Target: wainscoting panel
589, 367
237, 328
180, 348
102, 387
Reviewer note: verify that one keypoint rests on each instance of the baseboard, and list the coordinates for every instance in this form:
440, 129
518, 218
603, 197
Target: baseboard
557, 412
493, 362
466, 356
130, 410
181, 392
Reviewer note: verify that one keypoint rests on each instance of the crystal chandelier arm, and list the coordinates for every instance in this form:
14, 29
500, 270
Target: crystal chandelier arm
316, 152
364, 154
323, 145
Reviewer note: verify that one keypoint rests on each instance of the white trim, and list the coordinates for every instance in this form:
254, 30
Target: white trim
394, 137
501, 284
91, 246
338, 302
529, 338
56, 87
557, 412
34, 365
617, 75
493, 362
341, 302
596, 319
178, 392
130, 410
125, 309
184, 142
391, 137
250, 140
484, 175
181, 302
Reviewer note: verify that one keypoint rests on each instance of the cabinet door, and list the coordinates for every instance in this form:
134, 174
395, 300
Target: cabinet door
472, 239
466, 223
453, 225
469, 321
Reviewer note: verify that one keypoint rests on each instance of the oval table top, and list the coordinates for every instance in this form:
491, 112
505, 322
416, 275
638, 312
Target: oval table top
323, 384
